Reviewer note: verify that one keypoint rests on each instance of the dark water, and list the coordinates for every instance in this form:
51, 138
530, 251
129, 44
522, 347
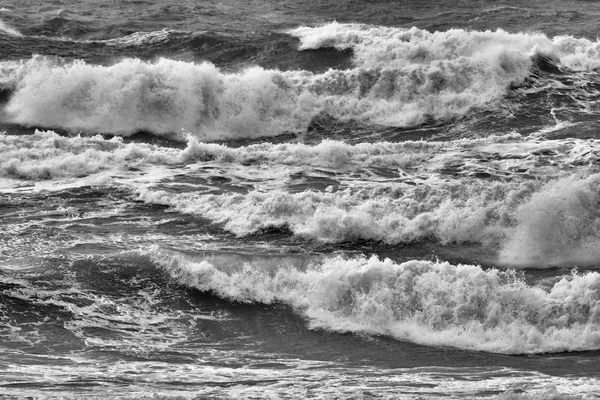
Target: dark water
323, 199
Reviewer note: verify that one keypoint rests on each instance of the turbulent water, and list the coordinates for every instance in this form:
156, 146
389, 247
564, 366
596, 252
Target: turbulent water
300, 199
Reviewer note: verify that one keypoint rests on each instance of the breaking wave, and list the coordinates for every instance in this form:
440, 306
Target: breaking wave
535, 225
505, 193
430, 303
401, 78
379, 46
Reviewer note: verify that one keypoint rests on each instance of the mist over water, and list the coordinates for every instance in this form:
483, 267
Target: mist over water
299, 200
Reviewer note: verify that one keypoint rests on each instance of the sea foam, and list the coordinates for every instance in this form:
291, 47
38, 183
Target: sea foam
400, 78
164, 97
430, 303
559, 225
505, 193
529, 224
375, 46
45, 155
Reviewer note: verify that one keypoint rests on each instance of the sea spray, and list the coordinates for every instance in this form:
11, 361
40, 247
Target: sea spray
166, 97
392, 193
506, 52
525, 225
558, 226
430, 303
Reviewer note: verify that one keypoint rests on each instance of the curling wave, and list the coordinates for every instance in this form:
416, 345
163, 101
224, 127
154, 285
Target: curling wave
533, 225
401, 78
430, 303
375, 46
505, 193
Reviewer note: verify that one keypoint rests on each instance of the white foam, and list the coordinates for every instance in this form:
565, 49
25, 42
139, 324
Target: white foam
377, 46
47, 155
166, 97
140, 38
401, 77
578, 53
531, 224
220, 373
13, 71
558, 226
537, 206
383, 46
423, 302
48, 161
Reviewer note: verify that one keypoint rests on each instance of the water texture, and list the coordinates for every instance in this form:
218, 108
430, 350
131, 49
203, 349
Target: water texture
288, 200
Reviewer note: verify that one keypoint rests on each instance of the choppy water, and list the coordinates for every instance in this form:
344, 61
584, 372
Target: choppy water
299, 199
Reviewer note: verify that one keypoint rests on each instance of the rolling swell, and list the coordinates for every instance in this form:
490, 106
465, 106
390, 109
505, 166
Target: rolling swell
229, 206
504, 193
147, 308
539, 226
114, 303
430, 303
229, 51
426, 77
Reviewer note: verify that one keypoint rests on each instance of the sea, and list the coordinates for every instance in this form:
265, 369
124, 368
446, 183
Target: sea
293, 199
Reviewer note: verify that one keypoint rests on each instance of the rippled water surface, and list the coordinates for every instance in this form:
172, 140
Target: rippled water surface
299, 199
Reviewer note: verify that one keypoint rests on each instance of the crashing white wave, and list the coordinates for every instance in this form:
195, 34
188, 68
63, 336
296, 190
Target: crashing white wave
380, 46
48, 156
525, 208
401, 77
430, 303
166, 96
496, 156
556, 224
559, 225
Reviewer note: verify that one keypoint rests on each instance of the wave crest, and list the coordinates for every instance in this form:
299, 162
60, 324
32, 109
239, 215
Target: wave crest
166, 96
430, 303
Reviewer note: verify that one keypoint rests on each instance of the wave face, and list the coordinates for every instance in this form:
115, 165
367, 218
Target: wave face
498, 192
555, 224
9, 30
401, 78
498, 51
165, 97
435, 304
246, 200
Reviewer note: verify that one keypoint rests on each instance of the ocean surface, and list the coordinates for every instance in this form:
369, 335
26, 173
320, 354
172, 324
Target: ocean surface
327, 199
